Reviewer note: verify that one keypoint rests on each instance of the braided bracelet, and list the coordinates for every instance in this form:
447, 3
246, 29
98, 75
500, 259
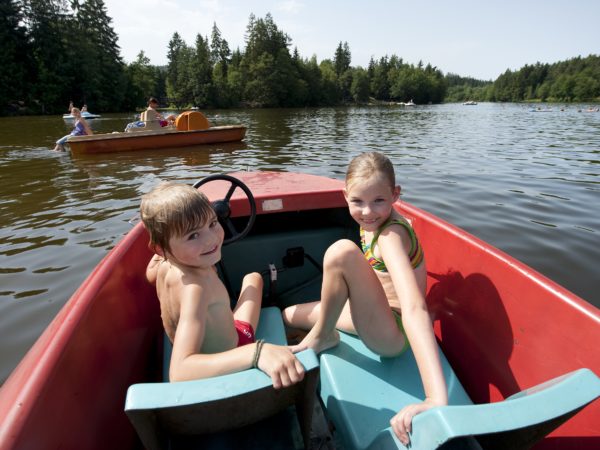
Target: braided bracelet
257, 350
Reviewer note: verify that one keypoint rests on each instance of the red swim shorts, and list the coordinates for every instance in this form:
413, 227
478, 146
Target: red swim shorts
245, 332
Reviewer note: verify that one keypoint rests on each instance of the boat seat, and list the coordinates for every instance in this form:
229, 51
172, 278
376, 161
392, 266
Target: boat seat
517, 422
362, 391
163, 411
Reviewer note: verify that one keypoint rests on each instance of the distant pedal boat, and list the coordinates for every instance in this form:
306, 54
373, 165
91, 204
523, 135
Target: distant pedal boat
191, 128
85, 115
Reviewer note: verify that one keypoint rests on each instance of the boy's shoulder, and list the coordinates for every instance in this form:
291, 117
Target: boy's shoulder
188, 280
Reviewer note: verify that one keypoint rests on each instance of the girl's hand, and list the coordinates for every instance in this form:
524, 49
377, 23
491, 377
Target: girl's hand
281, 365
402, 422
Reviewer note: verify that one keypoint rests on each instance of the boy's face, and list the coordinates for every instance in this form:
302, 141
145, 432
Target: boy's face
370, 201
200, 247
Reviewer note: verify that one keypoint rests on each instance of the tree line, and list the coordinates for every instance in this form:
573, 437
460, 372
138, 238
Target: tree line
573, 80
56, 51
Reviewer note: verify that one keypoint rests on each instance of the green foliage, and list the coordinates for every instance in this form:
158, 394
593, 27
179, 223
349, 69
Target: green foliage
574, 80
16, 66
462, 89
142, 81
360, 86
56, 51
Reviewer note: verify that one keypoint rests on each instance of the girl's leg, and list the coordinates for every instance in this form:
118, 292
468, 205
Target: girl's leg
304, 316
348, 276
249, 302
60, 144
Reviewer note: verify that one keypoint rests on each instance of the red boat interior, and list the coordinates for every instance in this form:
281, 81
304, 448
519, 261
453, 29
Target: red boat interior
502, 326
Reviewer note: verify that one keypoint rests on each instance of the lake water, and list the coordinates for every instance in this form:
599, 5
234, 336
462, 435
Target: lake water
527, 182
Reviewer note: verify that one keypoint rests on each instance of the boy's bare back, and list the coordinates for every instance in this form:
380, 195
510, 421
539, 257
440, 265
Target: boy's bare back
199, 295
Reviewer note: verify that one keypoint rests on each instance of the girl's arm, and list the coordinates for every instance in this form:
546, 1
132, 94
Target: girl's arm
86, 127
394, 245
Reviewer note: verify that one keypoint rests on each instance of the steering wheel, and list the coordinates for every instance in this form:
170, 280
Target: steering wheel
223, 208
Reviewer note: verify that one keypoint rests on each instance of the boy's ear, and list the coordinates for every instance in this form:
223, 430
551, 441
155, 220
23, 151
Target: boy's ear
157, 249
396, 192
345, 194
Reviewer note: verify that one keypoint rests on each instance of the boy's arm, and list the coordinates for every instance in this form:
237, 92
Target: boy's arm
187, 363
152, 268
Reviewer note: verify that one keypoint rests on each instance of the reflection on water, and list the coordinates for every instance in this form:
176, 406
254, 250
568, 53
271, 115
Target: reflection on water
525, 182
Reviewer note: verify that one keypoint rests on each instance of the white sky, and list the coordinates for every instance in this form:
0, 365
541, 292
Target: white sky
476, 38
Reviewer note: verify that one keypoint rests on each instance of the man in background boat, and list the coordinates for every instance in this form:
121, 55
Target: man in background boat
151, 115
151, 119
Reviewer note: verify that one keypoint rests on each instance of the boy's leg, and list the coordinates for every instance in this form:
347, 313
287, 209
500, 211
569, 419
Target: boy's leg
249, 302
348, 276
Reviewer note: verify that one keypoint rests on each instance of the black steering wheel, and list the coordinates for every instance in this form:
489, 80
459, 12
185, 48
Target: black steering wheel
223, 209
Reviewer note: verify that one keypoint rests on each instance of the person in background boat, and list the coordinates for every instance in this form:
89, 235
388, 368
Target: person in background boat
70, 105
152, 115
84, 108
378, 294
208, 338
81, 128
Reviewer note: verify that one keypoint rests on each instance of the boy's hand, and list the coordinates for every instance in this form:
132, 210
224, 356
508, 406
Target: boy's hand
281, 365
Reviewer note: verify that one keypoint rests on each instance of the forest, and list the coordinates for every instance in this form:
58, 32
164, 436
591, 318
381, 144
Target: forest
56, 51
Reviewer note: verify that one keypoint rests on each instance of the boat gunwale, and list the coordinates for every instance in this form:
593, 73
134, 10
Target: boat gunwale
150, 133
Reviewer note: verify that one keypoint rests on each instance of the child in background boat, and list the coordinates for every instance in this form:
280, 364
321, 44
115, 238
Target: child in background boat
379, 295
152, 115
81, 128
208, 338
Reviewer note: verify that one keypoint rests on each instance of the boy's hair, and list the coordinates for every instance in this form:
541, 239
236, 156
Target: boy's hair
366, 165
173, 209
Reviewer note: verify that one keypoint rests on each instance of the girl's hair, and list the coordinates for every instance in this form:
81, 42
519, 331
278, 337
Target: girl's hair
173, 209
75, 110
368, 164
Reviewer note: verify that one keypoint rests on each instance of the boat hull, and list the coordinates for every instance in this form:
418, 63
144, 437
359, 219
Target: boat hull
502, 326
144, 140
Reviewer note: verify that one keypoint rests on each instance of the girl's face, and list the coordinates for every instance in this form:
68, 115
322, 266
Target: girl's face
198, 248
370, 201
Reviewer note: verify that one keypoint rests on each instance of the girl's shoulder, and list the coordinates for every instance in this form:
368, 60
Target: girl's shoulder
396, 222
396, 225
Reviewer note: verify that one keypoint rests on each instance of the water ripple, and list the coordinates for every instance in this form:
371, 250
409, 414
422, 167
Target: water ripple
527, 183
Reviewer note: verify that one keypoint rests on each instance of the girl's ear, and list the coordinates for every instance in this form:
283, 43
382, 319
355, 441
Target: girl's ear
396, 192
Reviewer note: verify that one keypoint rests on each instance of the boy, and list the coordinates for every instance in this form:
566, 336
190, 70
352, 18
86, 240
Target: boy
208, 338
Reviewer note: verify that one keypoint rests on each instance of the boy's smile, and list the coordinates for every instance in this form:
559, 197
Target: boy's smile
200, 247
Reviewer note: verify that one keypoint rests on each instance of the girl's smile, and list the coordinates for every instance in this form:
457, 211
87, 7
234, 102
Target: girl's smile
370, 201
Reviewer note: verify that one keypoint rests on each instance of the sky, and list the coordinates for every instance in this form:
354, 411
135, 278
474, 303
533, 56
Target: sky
471, 38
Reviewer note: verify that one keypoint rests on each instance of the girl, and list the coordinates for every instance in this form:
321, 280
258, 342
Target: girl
81, 128
379, 295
